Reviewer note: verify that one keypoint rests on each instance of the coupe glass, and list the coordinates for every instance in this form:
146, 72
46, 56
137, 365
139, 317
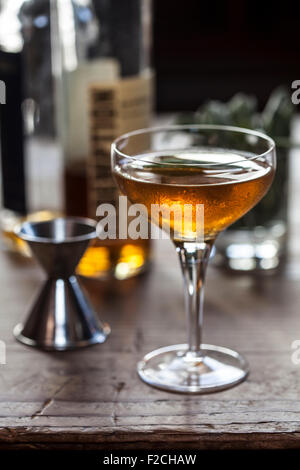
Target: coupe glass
227, 170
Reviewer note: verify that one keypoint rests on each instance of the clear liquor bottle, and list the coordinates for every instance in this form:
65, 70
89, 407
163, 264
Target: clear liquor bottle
29, 151
102, 67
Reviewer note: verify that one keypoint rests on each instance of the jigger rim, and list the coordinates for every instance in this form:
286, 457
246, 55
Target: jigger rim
75, 238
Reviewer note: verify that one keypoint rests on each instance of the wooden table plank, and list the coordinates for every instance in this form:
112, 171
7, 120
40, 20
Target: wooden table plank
94, 398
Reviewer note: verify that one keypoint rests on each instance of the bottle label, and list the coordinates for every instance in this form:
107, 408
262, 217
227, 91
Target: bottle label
114, 108
104, 70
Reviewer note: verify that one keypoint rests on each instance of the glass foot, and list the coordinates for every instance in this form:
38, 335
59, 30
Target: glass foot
173, 368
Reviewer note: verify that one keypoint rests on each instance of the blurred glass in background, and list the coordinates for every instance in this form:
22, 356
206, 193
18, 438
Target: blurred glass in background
258, 241
77, 75
30, 160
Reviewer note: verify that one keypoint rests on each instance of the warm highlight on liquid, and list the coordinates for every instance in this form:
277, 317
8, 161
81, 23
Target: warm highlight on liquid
228, 190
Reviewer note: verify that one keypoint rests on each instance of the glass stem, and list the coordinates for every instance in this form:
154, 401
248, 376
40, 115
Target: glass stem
193, 260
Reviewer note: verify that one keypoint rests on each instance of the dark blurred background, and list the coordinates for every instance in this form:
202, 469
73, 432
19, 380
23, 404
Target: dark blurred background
211, 50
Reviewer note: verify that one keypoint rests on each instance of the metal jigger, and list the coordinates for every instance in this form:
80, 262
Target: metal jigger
62, 317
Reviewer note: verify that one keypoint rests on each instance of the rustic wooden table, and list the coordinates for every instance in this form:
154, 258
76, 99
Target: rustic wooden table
94, 399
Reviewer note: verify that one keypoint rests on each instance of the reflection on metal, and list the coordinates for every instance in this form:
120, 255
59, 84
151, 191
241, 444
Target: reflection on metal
62, 317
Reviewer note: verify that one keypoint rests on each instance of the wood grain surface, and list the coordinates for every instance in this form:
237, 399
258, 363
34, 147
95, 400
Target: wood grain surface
93, 398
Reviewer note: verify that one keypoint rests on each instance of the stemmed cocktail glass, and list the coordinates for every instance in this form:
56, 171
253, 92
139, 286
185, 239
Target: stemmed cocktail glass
223, 170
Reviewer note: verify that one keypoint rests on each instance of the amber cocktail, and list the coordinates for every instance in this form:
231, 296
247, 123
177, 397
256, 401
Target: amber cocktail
226, 170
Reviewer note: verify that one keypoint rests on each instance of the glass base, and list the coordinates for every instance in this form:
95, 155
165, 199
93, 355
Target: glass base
172, 368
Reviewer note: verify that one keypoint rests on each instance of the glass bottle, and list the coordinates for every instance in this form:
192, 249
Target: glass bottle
30, 164
102, 67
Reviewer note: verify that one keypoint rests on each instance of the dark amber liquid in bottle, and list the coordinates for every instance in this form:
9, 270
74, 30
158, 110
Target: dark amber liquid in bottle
119, 259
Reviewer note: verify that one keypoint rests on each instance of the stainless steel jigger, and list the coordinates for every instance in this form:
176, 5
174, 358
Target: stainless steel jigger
62, 317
